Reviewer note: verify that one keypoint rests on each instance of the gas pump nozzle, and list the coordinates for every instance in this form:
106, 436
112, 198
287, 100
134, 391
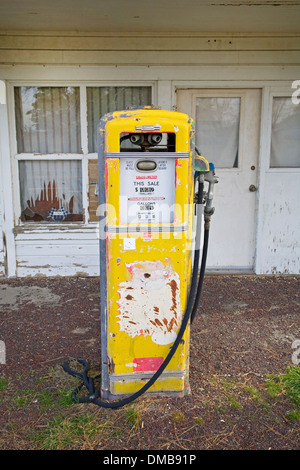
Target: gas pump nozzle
212, 179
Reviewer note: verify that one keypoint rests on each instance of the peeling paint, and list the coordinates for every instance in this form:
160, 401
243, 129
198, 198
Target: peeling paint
154, 289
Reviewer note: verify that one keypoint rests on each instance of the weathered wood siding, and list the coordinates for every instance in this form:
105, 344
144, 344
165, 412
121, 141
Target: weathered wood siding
145, 49
169, 61
2, 253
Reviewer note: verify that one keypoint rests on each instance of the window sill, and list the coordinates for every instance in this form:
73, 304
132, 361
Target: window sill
46, 228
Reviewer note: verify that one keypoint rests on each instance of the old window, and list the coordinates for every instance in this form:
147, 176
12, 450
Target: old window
56, 146
103, 100
100, 101
48, 123
51, 190
285, 137
47, 119
217, 129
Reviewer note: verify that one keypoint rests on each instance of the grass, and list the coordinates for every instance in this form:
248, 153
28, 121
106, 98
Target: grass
64, 432
199, 421
291, 383
24, 398
285, 384
88, 429
57, 423
3, 384
178, 417
133, 416
234, 402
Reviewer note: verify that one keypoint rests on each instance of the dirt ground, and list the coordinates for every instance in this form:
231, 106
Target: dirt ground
244, 332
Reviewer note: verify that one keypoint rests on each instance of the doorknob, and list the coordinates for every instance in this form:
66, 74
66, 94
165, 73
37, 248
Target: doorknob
252, 188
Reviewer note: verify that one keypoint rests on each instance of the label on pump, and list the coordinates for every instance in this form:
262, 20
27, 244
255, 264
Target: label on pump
147, 190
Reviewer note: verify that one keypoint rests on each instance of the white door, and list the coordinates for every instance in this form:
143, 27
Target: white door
227, 134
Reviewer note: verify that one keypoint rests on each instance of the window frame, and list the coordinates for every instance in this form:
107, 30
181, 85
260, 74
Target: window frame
224, 95
276, 93
84, 156
198, 90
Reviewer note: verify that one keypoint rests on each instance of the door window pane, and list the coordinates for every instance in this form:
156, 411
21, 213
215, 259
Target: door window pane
285, 138
48, 119
217, 130
102, 100
51, 190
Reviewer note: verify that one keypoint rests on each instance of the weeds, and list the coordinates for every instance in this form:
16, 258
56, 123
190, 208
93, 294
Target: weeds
24, 398
291, 382
293, 415
286, 384
80, 431
199, 421
234, 403
133, 416
178, 417
59, 424
3, 384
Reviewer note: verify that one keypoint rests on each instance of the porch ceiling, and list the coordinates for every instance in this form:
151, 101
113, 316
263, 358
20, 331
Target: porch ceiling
133, 16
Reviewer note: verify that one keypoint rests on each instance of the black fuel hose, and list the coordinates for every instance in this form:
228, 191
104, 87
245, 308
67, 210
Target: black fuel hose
201, 275
193, 300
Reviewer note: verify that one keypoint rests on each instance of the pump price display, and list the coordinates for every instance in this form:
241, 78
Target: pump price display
147, 195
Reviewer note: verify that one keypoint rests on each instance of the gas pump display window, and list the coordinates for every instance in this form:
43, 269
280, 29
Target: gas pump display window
147, 177
148, 142
147, 193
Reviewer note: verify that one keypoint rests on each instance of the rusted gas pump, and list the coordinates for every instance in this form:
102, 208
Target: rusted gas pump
149, 257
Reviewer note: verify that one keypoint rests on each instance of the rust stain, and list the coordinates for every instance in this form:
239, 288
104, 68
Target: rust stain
171, 324
111, 365
173, 285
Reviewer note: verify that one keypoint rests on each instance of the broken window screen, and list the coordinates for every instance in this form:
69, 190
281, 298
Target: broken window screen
285, 138
48, 119
51, 190
103, 100
217, 130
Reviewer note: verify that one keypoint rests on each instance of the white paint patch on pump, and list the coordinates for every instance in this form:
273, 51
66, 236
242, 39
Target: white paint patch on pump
149, 302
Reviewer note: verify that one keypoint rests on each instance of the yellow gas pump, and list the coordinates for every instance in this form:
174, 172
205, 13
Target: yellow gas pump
149, 256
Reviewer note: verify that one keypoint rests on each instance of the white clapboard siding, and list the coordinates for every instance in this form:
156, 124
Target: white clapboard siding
57, 257
279, 247
155, 49
2, 253
148, 58
2, 266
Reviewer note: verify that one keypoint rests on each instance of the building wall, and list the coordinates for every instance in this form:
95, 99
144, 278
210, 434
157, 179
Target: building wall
163, 61
149, 49
2, 260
